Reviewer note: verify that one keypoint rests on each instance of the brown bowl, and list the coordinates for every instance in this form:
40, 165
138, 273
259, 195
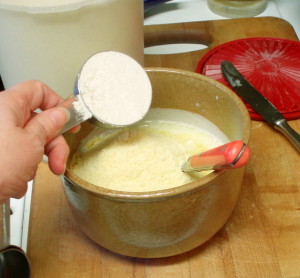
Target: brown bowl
172, 221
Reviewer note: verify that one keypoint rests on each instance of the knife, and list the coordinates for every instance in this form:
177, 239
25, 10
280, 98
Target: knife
259, 103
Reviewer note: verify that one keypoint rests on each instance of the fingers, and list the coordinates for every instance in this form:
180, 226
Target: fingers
28, 135
35, 95
47, 124
12, 191
57, 151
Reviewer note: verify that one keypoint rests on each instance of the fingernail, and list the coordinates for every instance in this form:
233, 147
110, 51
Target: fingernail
67, 113
75, 129
56, 114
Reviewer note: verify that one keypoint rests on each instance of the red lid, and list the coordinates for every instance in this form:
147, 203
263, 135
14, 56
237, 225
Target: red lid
271, 65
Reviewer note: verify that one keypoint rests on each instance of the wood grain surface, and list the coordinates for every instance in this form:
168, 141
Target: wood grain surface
262, 237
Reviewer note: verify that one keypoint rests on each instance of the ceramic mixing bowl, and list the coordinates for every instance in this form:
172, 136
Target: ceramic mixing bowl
172, 221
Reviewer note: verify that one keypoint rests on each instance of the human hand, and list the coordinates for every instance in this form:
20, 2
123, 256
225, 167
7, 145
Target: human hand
26, 136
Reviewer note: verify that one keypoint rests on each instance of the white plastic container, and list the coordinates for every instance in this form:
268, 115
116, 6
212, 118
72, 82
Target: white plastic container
49, 40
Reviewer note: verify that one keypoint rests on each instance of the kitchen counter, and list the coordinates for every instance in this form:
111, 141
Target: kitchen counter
261, 239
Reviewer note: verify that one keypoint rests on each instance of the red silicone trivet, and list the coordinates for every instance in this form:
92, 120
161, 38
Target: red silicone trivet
271, 65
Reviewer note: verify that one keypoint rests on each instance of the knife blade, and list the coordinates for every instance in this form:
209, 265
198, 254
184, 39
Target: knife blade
259, 103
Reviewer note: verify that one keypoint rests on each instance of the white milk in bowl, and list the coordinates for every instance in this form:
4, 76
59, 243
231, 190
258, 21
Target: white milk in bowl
49, 40
146, 156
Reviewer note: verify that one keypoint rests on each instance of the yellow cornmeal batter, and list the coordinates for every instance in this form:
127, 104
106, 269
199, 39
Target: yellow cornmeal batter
141, 158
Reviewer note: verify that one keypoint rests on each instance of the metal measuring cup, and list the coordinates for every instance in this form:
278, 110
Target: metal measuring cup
81, 110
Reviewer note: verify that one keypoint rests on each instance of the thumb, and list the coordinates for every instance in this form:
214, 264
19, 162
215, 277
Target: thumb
47, 124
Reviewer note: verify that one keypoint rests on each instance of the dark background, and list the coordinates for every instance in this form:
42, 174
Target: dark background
1, 85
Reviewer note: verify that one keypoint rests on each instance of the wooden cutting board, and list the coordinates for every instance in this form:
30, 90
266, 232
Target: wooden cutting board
262, 237
210, 34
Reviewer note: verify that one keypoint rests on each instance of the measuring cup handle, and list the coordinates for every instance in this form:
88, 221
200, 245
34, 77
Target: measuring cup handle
74, 121
76, 117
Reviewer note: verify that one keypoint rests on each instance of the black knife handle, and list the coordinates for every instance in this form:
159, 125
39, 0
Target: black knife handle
283, 126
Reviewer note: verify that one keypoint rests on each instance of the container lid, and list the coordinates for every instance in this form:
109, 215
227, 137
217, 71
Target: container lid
271, 65
47, 6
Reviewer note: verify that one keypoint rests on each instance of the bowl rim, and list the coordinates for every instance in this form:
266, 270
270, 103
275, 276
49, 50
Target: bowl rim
173, 192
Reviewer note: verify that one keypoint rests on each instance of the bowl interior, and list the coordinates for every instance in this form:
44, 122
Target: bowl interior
179, 89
